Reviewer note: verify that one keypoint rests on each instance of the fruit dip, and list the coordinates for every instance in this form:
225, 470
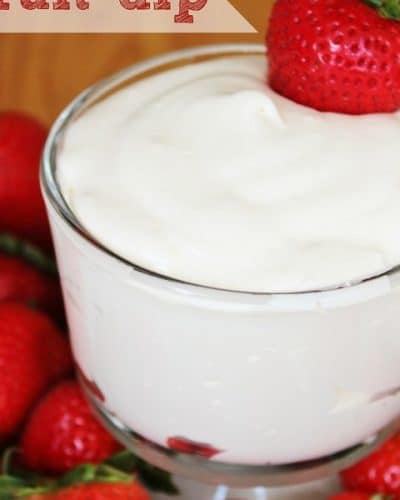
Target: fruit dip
204, 174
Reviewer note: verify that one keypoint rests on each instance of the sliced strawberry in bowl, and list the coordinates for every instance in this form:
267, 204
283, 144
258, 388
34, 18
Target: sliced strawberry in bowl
183, 445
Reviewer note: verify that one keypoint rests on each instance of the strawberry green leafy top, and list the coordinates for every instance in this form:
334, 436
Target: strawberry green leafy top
387, 8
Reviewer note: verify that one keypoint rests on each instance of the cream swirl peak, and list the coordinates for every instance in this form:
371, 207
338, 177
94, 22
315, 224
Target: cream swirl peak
204, 174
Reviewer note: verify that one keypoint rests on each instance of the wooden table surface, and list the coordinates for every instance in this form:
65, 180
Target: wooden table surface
40, 74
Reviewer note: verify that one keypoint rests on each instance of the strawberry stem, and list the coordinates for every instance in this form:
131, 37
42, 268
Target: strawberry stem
20, 248
88, 473
153, 478
28, 492
106, 473
6, 463
123, 467
387, 8
15, 487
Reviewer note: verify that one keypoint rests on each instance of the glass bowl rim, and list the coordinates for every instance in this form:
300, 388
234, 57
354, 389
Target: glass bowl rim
52, 190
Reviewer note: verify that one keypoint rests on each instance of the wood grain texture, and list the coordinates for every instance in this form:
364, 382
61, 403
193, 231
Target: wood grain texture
40, 74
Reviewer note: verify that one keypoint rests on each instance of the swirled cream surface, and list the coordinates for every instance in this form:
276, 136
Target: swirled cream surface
204, 174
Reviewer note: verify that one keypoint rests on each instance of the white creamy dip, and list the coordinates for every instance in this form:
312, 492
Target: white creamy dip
204, 174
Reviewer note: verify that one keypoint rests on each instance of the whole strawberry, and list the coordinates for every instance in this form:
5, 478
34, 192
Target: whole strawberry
380, 471
99, 491
22, 210
73, 436
33, 355
336, 55
22, 282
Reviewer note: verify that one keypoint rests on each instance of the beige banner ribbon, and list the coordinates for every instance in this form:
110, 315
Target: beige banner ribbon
121, 16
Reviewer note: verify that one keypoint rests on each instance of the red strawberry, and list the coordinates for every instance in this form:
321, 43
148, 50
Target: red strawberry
355, 495
336, 55
22, 210
99, 491
33, 354
21, 282
183, 445
380, 471
73, 435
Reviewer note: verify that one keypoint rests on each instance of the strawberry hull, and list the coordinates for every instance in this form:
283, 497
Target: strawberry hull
266, 379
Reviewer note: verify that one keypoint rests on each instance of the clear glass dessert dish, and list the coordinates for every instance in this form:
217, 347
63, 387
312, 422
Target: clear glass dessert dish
224, 387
